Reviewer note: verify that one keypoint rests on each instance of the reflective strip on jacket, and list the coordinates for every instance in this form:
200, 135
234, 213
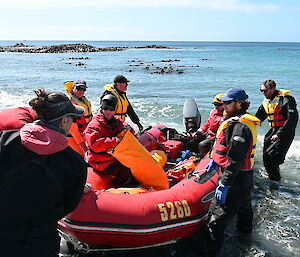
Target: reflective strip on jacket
123, 102
221, 148
273, 109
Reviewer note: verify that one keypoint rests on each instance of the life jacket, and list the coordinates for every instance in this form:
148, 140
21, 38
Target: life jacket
83, 102
220, 149
273, 109
123, 102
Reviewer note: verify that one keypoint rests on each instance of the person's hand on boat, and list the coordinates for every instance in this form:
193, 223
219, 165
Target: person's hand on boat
87, 188
221, 193
212, 165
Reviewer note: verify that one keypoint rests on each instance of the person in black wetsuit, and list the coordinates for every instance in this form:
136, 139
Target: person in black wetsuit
280, 107
124, 108
41, 178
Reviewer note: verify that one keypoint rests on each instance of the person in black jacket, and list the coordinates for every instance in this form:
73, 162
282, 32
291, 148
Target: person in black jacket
233, 151
124, 108
280, 107
41, 178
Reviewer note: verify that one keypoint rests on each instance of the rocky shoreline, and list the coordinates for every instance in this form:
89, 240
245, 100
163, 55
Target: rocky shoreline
70, 48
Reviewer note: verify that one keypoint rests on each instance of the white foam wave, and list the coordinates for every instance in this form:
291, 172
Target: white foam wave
8, 100
294, 150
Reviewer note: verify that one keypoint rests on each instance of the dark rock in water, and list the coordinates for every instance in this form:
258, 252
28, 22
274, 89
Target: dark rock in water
170, 60
79, 58
68, 48
80, 64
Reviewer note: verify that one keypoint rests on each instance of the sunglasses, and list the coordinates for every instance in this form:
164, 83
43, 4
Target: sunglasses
264, 90
80, 88
228, 102
217, 104
108, 108
75, 118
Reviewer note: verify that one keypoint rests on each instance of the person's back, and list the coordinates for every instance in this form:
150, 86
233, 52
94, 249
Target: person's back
27, 190
41, 179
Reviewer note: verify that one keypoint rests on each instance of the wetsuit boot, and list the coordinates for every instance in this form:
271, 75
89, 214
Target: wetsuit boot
272, 167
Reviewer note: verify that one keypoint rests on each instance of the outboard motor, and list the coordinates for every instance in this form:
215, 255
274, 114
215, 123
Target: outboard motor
191, 116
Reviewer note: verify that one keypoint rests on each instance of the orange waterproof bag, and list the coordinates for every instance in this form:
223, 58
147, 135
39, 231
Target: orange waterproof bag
132, 154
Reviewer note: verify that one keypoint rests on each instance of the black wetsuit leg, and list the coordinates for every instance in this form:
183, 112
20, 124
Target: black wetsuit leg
274, 153
238, 202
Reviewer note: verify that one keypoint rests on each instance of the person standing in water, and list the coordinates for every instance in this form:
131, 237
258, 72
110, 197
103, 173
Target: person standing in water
124, 108
280, 107
233, 151
42, 177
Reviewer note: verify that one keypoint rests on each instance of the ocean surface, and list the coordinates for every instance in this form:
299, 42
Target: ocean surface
200, 70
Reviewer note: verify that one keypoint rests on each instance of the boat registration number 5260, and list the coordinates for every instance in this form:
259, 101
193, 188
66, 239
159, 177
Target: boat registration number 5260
174, 210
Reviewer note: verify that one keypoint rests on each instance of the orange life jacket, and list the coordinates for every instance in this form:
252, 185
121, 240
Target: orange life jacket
83, 102
123, 102
220, 149
273, 109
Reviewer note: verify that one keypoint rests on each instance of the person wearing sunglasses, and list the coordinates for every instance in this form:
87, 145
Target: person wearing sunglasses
206, 135
41, 176
101, 136
233, 151
280, 108
124, 108
76, 92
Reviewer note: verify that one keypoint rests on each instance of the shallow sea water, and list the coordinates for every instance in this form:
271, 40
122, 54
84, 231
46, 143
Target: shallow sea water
209, 68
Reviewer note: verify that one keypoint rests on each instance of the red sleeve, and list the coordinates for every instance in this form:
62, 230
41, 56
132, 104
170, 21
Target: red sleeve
205, 126
97, 138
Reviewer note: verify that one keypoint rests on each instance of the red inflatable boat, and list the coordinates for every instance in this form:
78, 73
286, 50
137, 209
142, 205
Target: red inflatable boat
106, 219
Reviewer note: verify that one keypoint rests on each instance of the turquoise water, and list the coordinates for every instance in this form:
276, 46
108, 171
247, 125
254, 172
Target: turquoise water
209, 68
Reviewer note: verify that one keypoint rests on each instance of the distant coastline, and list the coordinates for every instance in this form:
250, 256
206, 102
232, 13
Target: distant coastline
71, 48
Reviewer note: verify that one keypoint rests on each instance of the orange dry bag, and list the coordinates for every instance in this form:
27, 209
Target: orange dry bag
143, 166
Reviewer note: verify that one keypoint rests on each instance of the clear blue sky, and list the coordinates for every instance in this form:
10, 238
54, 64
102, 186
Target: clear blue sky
187, 20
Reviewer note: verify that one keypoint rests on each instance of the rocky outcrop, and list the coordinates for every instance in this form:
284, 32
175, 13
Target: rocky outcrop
160, 67
69, 48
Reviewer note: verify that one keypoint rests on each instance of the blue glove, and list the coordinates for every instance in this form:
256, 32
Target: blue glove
185, 155
212, 165
221, 193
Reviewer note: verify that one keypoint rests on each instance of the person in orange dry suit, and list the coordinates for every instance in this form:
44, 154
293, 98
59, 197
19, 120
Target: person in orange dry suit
76, 93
